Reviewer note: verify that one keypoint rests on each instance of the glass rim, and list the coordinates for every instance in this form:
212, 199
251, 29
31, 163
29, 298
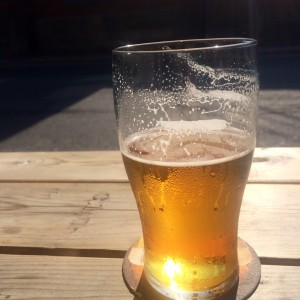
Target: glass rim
233, 42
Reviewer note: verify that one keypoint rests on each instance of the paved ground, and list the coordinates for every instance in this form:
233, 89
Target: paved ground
69, 105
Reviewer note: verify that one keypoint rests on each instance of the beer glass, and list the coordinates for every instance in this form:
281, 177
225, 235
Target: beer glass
186, 116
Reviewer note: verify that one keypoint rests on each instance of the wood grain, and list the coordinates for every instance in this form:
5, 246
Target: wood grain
270, 165
72, 197
269, 219
104, 216
278, 283
43, 277
276, 165
103, 166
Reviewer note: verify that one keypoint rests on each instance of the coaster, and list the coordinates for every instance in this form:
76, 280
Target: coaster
137, 284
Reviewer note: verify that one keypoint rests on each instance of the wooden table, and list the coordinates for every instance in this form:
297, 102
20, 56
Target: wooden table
67, 219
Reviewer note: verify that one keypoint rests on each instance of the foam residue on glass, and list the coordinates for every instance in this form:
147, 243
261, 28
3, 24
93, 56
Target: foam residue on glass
198, 106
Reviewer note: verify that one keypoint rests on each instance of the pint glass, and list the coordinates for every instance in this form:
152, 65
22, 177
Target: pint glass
186, 116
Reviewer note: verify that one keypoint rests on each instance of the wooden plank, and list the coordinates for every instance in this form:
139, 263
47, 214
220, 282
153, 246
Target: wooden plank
104, 216
278, 283
269, 219
44, 277
270, 165
93, 229
87, 166
276, 165
70, 197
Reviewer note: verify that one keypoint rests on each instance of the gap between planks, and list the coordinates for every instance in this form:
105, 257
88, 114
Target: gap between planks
104, 253
40, 251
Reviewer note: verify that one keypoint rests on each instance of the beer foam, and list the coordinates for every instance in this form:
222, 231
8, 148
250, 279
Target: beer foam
184, 147
199, 125
187, 163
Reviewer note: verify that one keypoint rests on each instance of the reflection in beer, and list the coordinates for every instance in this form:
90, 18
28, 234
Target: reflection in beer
170, 269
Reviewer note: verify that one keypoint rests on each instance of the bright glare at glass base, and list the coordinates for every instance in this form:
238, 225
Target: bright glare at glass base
173, 291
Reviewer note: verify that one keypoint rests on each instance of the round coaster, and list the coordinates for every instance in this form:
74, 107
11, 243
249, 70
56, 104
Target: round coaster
137, 284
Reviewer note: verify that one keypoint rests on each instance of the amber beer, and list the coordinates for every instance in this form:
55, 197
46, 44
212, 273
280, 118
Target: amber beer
189, 189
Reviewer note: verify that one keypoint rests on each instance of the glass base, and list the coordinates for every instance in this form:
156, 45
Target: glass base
145, 287
177, 294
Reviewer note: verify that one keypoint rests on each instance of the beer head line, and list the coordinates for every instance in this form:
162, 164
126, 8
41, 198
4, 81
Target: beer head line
189, 163
187, 146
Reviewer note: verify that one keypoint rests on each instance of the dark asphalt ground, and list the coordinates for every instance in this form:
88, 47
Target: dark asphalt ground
68, 105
